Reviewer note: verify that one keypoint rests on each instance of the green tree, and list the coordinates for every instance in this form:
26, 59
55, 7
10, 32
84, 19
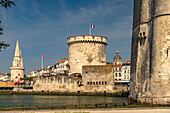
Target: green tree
6, 4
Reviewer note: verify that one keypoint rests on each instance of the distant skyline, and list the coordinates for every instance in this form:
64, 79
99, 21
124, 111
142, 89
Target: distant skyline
43, 26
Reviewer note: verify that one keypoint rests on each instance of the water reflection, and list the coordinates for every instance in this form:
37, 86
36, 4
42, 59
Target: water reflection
50, 100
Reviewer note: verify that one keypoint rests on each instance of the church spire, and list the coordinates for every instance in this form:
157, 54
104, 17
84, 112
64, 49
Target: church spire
17, 52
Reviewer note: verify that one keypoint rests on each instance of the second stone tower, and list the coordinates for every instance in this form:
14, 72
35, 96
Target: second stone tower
86, 50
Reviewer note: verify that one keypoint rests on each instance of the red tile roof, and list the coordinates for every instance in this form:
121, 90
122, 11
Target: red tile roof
109, 64
62, 60
127, 62
119, 65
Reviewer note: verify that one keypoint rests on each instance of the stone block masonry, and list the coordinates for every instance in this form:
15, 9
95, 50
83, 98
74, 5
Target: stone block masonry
98, 78
150, 53
86, 50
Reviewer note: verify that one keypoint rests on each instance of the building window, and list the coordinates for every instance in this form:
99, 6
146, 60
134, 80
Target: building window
115, 79
64, 80
125, 71
127, 76
99, 83
88, 83
96, 83
119, 69
124, 76
102, 82
116, 69
105, 83
119, 74
93, 83
115, 74
119, 79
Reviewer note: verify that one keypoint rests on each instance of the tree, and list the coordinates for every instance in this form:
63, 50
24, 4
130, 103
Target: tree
5, 4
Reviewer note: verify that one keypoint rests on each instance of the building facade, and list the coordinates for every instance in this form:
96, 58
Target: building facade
62, 66
150, 72
17, 69
121, 72
86, 50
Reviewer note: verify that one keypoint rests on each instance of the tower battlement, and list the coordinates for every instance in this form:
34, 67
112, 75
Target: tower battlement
86, 38
86, 50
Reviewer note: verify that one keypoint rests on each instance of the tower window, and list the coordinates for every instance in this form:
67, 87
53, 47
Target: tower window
96, 83
167, 52
105, 83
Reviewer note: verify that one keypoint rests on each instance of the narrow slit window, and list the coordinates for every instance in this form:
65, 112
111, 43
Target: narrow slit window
167, 52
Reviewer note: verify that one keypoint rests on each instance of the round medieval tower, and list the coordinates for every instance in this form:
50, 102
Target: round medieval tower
86, 50
150, 53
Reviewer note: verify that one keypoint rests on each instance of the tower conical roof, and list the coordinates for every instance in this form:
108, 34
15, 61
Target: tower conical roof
21, 59
17, 52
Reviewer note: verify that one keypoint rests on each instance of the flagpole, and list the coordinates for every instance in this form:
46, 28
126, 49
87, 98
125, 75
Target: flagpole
42, 63
90, 29
42, 60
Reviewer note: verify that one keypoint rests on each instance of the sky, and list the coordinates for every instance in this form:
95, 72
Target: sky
43, 26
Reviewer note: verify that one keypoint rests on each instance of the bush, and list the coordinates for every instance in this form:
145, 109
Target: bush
80, 85
25, 87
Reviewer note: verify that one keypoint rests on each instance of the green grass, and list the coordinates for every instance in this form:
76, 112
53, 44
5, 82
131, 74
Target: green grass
82, 107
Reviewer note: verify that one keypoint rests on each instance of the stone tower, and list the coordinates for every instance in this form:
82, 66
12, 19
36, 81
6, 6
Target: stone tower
17, 69
150, 53
86, 50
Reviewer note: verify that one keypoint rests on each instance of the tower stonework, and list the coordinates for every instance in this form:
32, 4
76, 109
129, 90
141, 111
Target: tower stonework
86, 50
150, 53
17, 69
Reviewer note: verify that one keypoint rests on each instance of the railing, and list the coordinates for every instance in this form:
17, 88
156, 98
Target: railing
149, 101
77, 102
62, 103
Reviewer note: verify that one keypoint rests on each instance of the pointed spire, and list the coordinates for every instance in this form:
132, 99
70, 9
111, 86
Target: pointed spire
17, 53
21, 59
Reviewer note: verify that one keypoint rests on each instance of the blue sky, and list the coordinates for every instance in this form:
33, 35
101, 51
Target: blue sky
42, 26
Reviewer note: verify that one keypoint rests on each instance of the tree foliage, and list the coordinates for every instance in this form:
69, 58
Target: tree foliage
5, 4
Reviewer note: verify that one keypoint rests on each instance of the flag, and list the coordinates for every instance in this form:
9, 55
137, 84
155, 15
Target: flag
92, 26
43, 55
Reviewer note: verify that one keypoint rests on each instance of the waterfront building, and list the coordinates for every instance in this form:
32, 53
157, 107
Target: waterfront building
121, 72
62, 66
17, 69
126, 72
